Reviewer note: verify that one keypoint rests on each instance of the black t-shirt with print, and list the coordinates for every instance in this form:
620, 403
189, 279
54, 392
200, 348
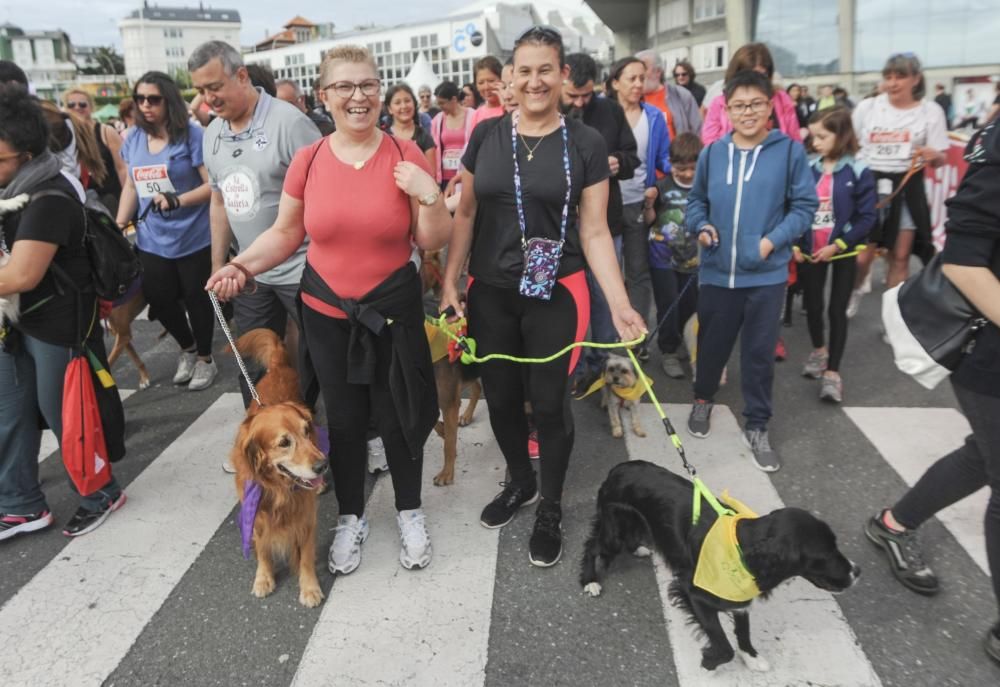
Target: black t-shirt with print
60, 220
497, 257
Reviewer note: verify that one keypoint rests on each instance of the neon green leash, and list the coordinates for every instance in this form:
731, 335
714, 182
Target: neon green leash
468, 346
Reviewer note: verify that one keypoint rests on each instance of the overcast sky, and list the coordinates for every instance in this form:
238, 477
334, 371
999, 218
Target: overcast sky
96, 22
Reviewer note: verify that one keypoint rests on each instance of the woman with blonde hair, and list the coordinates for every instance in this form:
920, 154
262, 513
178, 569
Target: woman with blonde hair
363, 197
109, 144
74, 145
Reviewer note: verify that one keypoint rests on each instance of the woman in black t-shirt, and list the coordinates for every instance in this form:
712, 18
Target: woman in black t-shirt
404, 123
55, 317
555, 190
971, 260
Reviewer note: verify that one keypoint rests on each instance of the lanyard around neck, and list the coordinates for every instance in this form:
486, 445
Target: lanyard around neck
517, 180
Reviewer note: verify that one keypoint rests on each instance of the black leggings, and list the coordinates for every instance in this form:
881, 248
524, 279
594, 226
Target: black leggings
503, 321
349, 409
813, 278
962, 472
175, 291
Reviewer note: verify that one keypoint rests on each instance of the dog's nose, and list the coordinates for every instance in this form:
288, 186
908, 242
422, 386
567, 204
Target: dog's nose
320, 466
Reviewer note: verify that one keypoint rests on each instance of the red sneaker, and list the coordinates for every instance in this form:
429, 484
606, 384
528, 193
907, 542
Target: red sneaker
780, 352
533, 444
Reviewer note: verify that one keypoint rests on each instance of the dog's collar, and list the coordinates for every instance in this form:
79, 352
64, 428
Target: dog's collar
248, 513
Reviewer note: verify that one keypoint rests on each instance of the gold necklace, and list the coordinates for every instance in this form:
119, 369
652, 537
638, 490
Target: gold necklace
531, 151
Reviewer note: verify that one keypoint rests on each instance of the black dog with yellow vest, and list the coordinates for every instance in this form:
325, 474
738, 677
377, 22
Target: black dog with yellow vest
721, 556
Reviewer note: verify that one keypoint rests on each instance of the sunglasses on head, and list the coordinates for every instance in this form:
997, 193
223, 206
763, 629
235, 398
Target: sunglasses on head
78, 105
542, 31
153, 100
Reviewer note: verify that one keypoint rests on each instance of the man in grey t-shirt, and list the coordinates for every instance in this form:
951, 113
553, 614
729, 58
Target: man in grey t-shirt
247, 150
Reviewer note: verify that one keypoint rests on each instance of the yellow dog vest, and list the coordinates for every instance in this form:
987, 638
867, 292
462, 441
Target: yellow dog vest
721, 570
628, 393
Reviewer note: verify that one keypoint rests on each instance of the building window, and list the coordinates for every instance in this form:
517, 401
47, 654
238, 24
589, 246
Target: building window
673, 14
803, 35
709, 9
956, 33
434, 40
709, 56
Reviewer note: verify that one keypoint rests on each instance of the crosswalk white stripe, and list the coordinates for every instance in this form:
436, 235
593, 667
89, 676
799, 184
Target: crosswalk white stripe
49, 444
913, 439
77, 618
801, 630
383, 625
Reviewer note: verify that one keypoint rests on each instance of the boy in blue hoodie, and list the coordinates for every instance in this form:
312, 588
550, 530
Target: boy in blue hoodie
753, 197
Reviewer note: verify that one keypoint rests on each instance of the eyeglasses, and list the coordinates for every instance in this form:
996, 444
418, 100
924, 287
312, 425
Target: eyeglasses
678, 75
755, 106
542, 31
346, 89
78, 105
153, 100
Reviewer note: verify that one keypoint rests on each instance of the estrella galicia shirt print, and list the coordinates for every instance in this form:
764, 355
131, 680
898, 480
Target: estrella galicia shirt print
241, 192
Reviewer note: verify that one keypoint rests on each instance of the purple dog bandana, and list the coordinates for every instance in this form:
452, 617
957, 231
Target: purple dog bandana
322, 439
248, 513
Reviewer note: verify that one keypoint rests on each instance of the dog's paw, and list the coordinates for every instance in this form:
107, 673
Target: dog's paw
642, 552
444, 478
757, 663
262, 586
439, 429
639, 431
617, 432
592, 589
310, 598
465, 420
144, 384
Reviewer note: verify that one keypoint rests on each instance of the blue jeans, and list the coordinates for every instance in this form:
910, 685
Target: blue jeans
753, 314
602, 327
31, 381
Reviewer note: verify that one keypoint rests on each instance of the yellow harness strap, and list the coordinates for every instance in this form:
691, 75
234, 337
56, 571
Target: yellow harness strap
438, 338
720, 569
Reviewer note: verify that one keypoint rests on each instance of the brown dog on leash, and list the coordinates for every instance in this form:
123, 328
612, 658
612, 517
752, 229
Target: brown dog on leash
119, 323
450, 376
277, 461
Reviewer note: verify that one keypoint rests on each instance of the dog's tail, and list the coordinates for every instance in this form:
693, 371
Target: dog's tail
616, 527
263, 346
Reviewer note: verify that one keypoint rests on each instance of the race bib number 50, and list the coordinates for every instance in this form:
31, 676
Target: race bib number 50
151, 179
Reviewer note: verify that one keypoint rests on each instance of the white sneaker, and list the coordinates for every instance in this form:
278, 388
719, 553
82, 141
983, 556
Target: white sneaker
414, 544
203, 376
227, 467
854, 303
185, 367
345, 551
376, 456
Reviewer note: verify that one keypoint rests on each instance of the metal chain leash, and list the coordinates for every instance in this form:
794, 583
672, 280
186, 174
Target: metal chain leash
229, 336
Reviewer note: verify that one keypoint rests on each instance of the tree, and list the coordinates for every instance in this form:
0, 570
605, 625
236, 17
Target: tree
108, 62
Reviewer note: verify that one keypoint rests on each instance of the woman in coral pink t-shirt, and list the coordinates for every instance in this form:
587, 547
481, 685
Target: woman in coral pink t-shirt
363, 198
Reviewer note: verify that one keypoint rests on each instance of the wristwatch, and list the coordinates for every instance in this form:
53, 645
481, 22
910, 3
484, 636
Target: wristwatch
429, 199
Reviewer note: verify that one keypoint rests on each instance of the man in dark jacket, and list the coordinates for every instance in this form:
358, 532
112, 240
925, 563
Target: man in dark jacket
608, 118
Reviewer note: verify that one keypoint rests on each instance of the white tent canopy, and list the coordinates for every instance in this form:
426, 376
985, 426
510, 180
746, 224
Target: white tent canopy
422, 74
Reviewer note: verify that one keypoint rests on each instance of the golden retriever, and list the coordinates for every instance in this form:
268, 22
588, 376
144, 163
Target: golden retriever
276, 449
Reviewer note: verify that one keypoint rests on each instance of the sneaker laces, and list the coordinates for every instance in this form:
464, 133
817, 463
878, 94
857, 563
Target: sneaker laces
413, 530
510, 495
352, 535
701, 411
759, 441
547, 521
909, 544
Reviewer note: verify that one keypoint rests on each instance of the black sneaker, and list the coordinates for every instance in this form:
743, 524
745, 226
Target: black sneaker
700, 419
13, 525
906, 559
84, 520
505, 505
992, 643
545, 545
